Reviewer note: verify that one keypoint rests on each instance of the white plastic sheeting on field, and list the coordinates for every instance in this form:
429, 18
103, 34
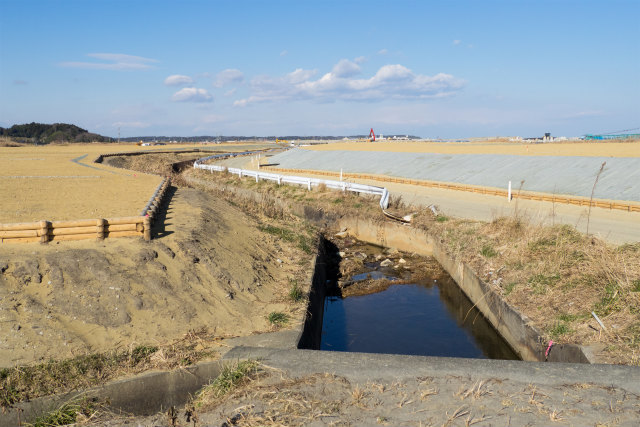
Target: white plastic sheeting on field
298, 180
620, 179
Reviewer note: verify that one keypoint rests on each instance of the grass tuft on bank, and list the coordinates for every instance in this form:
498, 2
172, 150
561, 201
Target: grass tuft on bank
23, 383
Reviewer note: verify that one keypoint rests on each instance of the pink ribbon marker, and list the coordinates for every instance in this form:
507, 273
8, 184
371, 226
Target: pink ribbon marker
546, 353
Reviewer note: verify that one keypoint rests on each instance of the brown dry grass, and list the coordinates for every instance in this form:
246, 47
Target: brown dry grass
28, 382
288, 402
43, 182
597, 149
556, 276
336, 202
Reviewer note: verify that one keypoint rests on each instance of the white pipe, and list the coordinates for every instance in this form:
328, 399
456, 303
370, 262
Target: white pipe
599, 321
509, 195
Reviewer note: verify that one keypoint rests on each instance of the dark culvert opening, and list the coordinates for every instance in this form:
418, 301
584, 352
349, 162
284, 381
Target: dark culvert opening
370, 299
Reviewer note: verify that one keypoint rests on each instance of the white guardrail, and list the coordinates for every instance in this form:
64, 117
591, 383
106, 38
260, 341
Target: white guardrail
288, 179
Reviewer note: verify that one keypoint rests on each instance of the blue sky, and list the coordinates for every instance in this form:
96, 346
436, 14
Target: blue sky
431, 68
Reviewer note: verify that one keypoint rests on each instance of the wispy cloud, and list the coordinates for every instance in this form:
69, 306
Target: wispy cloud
178, 80
459, 43
20, 82
213, 118
389, 82
360, 60
585, 114
284, 53
228, 76
113, 61
383, 52
137, 125
192, 94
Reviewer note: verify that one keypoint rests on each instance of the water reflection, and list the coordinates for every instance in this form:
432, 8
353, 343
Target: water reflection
431, 318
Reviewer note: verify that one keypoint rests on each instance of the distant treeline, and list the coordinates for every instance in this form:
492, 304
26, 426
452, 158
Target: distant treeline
224, 138
41, 133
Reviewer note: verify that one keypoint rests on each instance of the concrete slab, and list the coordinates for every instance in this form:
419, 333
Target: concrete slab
362, 367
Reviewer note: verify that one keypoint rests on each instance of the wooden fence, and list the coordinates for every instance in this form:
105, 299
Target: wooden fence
525, 195
45, 231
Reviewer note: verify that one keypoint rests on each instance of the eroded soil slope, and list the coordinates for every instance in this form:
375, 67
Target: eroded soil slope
210, 266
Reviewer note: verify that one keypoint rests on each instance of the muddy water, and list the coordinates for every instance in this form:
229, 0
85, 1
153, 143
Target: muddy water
406, 307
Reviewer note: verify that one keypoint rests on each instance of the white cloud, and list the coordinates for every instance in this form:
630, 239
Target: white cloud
457, 42
389, 82
192, 94
227, 77
383, 52
230, 92
360, 60
345, 68
178, 80
284, 53
114, 61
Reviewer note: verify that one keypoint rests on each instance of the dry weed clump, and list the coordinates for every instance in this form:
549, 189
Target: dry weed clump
334, 201
556, 276
28, 382
287, 402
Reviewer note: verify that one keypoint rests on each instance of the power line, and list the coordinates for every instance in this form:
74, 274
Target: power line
619, 131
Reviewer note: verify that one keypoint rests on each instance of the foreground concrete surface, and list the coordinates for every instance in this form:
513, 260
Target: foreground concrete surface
318, 388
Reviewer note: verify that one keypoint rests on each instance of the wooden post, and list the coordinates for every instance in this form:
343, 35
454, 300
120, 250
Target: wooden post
100, 228
44, 229
147, 228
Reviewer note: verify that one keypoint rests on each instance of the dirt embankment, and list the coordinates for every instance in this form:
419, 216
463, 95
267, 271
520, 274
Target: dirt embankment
210, 267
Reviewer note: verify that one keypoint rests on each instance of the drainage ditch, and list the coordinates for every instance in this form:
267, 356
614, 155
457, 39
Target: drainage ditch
378, 300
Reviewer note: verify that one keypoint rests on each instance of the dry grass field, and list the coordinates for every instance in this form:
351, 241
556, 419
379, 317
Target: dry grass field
592, 149
61, 182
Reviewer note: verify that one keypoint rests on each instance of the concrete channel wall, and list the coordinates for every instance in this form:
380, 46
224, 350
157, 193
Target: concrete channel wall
311, 333
514, 327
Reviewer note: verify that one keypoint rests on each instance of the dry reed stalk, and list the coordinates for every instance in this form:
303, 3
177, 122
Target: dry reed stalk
592, 191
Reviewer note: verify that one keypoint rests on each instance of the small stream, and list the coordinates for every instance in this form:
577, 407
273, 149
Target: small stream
390, 302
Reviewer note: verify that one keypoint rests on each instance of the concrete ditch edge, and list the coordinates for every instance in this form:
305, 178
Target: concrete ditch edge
363, 367
512, 325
